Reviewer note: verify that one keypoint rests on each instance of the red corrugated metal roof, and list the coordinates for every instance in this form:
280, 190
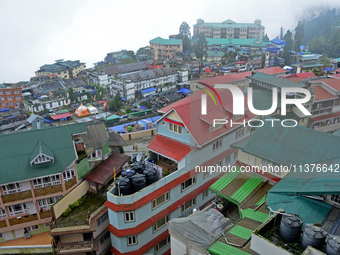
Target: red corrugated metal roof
169, 148
59, 116
334, 83
336, 75
322, 94
271, 70
325, 117
104, 172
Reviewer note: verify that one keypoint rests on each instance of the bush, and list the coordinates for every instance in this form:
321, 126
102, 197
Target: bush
71, 206
67, 212
76, 204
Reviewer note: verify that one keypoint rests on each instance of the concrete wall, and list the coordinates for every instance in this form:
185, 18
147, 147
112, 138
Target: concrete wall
74, 238
71, 197
139, 134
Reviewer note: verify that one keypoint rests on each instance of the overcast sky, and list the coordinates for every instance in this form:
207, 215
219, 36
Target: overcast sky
37, 32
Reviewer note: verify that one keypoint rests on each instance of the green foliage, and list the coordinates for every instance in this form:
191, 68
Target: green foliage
73, 98
185, 35
230, 56
67, 212
265, 38
299, 35
324, 61
130, 53
146, 104
201, 47
116, 103
318, 45
128, 109
288, 47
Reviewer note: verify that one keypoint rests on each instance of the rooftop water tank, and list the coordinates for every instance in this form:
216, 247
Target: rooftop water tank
314, 236
138, 167
123, 186
128, 173
333, 245
138, 182
151, 175
290, 228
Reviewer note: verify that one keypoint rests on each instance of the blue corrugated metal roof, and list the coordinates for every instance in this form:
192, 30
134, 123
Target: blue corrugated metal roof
148, 90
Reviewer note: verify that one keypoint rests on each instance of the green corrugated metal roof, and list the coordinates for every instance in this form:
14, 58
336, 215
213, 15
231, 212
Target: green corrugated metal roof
160, 40
310, 56
215, 53
234, 25
224, 180
296, 145
240, 231
220, 248
41, 148
289, 115
337, 59
246, 188
16, 149
236, 41
254, 215
261, 200
275, 81
262, 98
310, 210
112, 117
314, 64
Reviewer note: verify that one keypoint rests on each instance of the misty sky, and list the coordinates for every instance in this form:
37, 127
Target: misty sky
37, 32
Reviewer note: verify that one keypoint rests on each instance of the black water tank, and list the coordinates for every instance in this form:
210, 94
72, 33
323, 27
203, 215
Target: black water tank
151, 175
314, 236
128, 173
138, 182
123, 186
138, 167
290, 228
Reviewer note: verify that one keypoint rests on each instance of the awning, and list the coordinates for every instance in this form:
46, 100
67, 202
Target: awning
60, 116
148, 90
104, 172
169, 148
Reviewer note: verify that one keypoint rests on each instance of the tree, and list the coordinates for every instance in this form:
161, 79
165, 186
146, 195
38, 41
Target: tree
185, 35
73, 98
265, 38
288, 47
334, 44
116, 103
318, 45
324, 61
131, 54
299, 35
201, 47
128, 109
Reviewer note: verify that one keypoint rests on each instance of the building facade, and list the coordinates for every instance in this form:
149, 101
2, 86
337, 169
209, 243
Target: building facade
63, 69
11, 97
230, 29
184, 146
165, 49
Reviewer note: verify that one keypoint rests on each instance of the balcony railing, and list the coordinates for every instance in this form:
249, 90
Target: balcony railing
48, 190
328, 128
45, 214
3, 224
70, 183
74, 246
17, 196
23, 219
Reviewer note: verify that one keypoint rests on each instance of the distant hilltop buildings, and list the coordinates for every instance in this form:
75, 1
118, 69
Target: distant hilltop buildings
229, 29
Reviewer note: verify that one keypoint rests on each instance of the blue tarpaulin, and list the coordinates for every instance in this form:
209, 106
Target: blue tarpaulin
34, 95
302, 47
10, 117
120, 128
142, 107
123, 98
148, 90
93, 91
278, 41
4, 110
48, 120
184, 90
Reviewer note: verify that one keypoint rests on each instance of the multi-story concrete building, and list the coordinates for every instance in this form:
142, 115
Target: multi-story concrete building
186, 144
11, 97
165, 48
63, 69
229, 29
255, 45
38, 168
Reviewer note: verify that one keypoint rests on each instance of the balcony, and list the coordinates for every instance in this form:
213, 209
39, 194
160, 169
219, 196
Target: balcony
75, 247
23, 219
328, 128
70, 183
17, 196
45, 214
3, 224
48, 190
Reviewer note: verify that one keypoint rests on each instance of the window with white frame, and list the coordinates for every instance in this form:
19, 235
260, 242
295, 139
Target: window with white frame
17, 98
240, 133
103, 218
42, 158
188, 204
46, 181
17, 209
235, 154
161, 200
129, 216
248, 129
68, 174
9, 98
131, 240
2, 99
46, 203
11, 188
0, 92
17, 92
188, 183
227, 159
204, 194
206, 173
218, 163
162, 244
105, 237
213, 127
95, 154
175, 128
3, 213
217, 145
161, 223
8, 92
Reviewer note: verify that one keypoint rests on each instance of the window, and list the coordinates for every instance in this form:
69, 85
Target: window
215, 127
175, 128
129, 216
160, 200
9, 98
46, 181
248, 129
161, 223
227, 159
204, 194
163, 123
102, 219
188, 204
46, 203
217, 145
17, 92
2, 99
0, 92
47, 224
17, 209
10, 104
236, 117
239, 133
235, 154
17, 98
206, 173
1, 235
68, 174
162, 244
2, 213
104, 238
335, 198
34, 227
188, 183
8, 92
132, 240
3, 104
